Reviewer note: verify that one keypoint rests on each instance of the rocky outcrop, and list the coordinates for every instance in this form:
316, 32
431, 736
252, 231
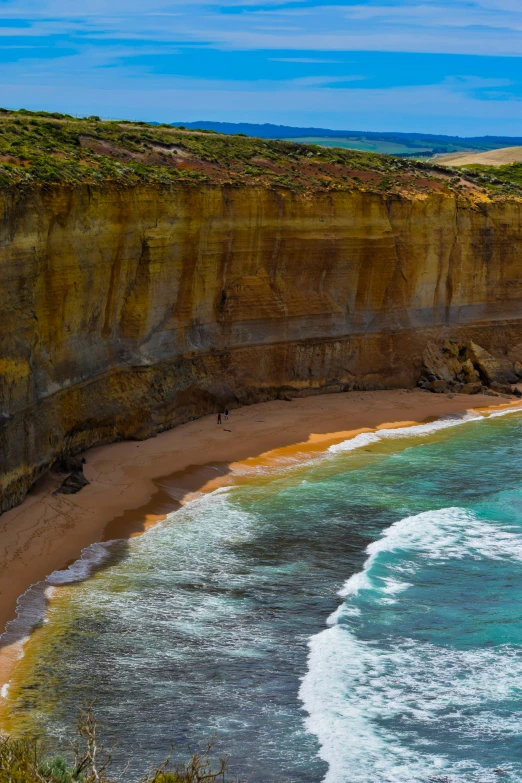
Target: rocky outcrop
72, 484
491, 369
467, 369
75, 479
125, 311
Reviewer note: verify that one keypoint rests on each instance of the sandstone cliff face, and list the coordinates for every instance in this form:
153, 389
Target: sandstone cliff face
126, 311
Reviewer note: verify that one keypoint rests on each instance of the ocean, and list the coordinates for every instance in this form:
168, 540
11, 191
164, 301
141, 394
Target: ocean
355, 618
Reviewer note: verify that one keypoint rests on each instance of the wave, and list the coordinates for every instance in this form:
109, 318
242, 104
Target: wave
283, 464
354, 691
443, 535
374, 696
417, 430
503, 412
31, 607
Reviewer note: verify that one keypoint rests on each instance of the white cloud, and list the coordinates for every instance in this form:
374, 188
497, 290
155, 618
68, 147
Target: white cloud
98, 78
440, 15
482, 42
482, 27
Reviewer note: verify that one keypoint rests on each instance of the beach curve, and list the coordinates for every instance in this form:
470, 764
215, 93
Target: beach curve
134, 485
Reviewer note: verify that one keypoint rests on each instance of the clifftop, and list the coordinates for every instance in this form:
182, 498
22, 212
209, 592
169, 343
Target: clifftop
39, 148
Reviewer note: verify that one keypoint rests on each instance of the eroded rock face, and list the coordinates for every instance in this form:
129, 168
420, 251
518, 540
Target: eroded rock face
466, 368
125, 312
490, 368
469, 373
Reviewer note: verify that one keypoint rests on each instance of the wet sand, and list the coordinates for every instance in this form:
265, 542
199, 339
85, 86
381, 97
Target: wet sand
134, 485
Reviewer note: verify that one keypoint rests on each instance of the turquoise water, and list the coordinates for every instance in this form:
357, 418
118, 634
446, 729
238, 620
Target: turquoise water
354, 620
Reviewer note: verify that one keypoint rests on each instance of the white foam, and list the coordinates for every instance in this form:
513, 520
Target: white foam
32, 605
357, 442
341, 706
503, 412
443, 534
92, 556
354, 686
394, 586
416, 431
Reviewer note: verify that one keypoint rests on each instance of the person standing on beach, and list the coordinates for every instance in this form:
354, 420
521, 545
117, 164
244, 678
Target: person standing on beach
226, 414
219, 418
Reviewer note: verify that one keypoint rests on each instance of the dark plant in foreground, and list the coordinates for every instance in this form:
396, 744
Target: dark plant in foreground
24, 761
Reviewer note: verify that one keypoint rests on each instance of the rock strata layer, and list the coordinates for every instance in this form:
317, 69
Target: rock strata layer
125, 311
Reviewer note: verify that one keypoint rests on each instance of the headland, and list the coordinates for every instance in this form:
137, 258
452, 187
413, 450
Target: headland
150, 275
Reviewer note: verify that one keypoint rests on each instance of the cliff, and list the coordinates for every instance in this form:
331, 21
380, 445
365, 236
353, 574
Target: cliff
127, 309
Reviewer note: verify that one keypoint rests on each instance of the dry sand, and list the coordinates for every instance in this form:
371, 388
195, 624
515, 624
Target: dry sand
133, 485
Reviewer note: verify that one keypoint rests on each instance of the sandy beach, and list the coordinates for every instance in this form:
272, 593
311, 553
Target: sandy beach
135, 484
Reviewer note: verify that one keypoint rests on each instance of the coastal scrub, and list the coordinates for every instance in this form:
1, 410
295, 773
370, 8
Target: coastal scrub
25, 760
42, 148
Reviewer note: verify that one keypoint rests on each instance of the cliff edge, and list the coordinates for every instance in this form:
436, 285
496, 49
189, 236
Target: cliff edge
137, 292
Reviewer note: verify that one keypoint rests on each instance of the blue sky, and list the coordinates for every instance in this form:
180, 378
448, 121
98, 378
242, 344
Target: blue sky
435, 66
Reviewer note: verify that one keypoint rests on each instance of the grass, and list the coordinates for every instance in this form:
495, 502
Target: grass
26, 760
40, 149
506, 178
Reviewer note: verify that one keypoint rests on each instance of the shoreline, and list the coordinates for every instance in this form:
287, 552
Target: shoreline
135, 485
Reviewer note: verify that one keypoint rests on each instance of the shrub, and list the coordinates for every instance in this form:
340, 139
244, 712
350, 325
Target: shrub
48, 148
25, 761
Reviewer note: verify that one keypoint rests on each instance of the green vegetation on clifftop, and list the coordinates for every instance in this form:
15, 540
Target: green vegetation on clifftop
40, 148
507, 177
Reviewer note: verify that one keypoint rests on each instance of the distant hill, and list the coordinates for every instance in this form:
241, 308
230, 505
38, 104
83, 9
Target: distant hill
498, 157
402, 144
